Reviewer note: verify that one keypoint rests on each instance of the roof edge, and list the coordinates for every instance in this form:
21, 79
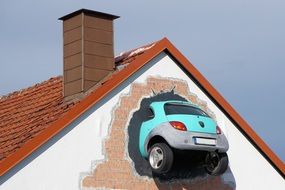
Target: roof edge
262, 147
75, 112
93, 98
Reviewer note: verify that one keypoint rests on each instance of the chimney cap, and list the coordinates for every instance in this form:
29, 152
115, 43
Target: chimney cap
91, 13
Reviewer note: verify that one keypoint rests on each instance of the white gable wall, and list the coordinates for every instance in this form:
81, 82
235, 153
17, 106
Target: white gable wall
61, 165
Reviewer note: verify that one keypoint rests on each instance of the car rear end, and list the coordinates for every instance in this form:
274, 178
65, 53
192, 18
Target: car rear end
190, 128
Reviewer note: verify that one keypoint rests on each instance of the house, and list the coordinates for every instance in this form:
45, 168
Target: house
81, 130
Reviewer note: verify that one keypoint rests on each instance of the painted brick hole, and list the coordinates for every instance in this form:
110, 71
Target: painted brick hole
124, 168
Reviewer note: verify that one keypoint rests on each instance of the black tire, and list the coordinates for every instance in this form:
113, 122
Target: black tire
165, 164
216, 163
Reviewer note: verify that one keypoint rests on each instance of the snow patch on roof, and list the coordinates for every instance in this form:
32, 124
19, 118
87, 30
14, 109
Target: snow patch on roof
128, 54
139, 50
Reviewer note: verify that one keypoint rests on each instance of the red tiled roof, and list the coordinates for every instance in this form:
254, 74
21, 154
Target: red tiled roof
25, 113
138, 59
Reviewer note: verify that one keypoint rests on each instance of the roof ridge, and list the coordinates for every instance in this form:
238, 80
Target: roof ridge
162, 45
90, 100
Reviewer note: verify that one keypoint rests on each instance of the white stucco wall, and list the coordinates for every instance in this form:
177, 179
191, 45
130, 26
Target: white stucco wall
61, 165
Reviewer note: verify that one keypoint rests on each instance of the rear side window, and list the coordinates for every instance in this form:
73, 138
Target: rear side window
171, 109
150, 114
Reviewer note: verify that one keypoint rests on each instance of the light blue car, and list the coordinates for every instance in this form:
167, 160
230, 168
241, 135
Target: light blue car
184, 126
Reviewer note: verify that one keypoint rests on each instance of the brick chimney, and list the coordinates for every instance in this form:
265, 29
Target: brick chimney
88, 51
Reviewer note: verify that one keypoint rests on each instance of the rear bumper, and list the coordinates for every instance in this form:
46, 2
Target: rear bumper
185, 140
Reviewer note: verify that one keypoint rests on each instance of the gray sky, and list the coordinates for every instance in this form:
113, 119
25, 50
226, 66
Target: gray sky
237, 45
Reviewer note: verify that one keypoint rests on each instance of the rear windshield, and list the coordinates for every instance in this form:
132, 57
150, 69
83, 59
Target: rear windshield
183, 109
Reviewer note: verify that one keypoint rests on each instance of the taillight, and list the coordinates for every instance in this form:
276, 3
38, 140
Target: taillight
178, 125
218, 130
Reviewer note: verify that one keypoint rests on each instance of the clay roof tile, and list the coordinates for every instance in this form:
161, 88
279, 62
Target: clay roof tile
25, 113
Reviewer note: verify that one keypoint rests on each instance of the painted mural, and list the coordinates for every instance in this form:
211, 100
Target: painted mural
148, 136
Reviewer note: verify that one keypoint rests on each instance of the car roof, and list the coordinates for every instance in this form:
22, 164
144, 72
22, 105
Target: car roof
176, 102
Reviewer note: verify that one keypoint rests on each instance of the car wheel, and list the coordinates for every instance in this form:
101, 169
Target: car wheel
216, 163
160, 158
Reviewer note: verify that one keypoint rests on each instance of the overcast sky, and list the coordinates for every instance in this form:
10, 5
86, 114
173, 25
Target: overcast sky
239, 46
